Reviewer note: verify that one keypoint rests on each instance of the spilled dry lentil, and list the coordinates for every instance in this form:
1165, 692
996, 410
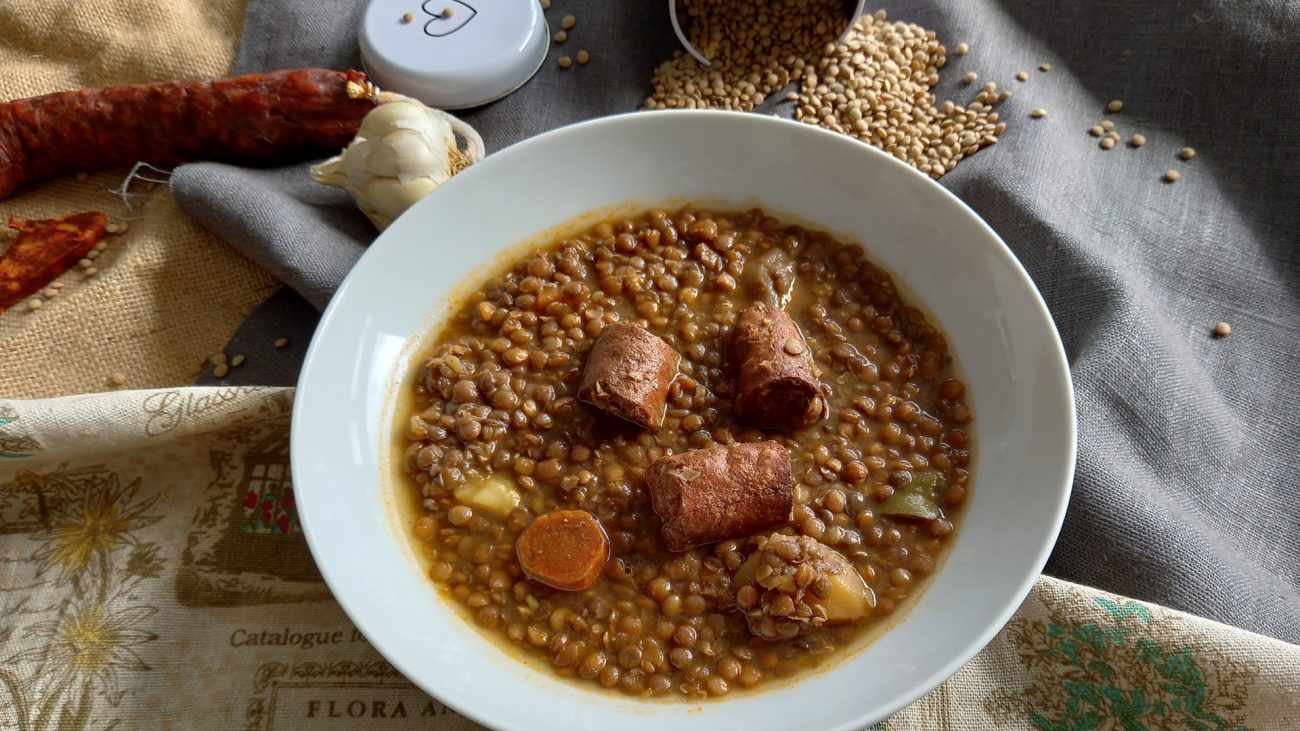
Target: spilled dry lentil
875, 85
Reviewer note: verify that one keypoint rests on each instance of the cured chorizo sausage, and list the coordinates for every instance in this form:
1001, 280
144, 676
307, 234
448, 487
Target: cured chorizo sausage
708, 495
776, 387
628, 374
45, 249
249, 117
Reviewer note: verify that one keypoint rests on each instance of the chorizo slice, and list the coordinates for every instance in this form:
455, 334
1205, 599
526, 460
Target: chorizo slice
776, 381
709, 495
565, 550
628, 374
45, 249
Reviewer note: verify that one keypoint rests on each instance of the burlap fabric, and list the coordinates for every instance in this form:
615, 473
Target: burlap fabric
168, 292
153, 575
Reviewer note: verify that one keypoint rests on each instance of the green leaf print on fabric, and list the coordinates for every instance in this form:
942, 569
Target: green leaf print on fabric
1117, 673
1124, 612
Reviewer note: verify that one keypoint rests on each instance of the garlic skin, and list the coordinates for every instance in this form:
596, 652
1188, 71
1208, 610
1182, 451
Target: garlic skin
402, 151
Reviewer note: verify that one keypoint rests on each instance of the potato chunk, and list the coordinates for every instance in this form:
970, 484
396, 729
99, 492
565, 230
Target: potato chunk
496, 494
793, 585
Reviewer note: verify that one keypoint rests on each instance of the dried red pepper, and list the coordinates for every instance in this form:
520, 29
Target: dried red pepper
250, 117
44, 250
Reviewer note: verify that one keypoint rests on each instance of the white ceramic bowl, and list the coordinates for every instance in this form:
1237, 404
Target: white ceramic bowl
942, 253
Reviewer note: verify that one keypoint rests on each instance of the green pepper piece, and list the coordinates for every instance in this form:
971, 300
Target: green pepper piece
925, 481
914, 500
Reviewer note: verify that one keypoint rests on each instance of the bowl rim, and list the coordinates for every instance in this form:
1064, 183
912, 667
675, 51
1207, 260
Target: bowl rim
1059, 367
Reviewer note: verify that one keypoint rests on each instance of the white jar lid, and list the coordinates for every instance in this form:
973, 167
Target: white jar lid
453, 53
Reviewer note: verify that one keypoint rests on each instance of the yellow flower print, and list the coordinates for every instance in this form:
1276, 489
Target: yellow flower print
86, 647
93, 539
93, 640
101, 521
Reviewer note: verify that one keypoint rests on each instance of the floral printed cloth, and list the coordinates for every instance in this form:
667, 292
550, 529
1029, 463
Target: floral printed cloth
153, 575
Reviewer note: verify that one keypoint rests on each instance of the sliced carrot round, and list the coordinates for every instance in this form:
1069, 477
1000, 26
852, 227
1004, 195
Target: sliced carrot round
566, 549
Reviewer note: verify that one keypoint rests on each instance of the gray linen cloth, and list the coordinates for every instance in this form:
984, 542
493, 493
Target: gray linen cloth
1188, 487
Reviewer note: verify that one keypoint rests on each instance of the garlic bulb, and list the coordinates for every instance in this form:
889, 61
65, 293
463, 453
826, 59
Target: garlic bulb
402, 151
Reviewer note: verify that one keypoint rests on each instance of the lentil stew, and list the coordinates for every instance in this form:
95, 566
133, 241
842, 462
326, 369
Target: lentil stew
830, 517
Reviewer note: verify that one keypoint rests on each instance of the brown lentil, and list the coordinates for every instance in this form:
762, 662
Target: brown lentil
1172, 175
460, 515
835, 501
659, 623
1222, 330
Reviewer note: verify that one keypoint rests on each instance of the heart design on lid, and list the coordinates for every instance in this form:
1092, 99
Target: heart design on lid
449, 16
